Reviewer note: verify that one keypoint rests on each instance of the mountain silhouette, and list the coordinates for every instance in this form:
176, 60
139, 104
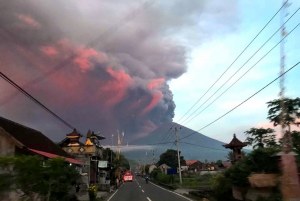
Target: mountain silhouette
192, 145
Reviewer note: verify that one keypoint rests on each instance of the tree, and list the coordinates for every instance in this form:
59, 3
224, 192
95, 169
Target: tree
261, 137
288, 116
170, 158
36, 178
285, 112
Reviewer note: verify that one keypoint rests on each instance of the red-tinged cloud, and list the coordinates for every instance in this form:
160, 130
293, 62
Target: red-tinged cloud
156, 98
49, 50
99, 66
28, 20
155, 84
83, 58
116, 88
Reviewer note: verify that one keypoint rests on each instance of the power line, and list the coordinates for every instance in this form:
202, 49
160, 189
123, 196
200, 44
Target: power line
72, 56
190, 116
232, 62
203, 146
34, 100
242, 101
243, 73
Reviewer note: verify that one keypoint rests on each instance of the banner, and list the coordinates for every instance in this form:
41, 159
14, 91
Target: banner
102, 164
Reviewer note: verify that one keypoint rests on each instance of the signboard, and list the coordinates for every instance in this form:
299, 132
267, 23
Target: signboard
172, 171
102, 164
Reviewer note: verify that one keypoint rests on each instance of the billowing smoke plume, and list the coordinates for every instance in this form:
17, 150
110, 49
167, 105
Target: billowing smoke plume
101, 65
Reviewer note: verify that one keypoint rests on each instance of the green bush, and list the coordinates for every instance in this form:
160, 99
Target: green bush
221, 188
164, 178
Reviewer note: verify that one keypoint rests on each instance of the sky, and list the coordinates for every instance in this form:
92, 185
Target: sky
212, 57
130, 66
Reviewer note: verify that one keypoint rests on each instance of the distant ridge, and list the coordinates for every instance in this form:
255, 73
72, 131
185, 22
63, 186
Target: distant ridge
197, 146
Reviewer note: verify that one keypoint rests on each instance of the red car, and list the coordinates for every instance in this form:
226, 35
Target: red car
128, 176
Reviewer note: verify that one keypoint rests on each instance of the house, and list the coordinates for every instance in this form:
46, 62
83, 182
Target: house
151, 168
16, 139
164, 168
194, 165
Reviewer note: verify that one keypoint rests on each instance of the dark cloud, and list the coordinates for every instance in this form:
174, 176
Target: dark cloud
100, 65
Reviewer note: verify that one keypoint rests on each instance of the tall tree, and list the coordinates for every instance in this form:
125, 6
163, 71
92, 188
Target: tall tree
261, 137
289, 116
285, 112
170, 158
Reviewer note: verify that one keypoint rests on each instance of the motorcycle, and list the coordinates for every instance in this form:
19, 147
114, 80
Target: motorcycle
147, 180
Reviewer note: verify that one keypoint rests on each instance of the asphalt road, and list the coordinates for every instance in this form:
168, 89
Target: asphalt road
138, 190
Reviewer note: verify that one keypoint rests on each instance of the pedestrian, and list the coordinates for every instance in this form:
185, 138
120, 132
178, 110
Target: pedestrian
77, 188
117, 182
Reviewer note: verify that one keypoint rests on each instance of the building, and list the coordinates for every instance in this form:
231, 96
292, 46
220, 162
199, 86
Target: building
90, 152
17, 139
194, 165
164, 168
236, 146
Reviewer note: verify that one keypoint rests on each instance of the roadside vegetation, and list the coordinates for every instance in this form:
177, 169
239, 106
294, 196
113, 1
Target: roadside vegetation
263, 159
36, 179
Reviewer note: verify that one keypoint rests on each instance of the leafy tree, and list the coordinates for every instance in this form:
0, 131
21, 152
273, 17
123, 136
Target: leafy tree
261, 137
47, 180
170, 158
288, 116
285, 112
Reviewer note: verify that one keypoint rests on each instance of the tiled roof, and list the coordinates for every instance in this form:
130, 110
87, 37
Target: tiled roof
30, 138
190, 162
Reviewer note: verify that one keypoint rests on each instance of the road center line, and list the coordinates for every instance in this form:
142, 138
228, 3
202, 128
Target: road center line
148, 199
143, 191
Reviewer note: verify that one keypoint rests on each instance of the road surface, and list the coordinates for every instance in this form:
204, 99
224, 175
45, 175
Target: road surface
138, 190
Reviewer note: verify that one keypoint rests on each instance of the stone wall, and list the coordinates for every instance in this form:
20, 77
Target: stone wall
7, 145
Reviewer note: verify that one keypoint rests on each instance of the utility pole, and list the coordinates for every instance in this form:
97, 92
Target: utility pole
178, 156
289, 180
111, 151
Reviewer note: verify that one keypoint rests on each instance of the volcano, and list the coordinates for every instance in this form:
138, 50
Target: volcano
192, 144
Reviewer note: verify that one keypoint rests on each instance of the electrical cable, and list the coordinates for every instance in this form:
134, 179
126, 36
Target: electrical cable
232, 63
243, 74
203, 146
190, 116
72, 56
241, 102
35, 100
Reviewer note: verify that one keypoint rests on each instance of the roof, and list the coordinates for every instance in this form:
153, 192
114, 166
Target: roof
30, 138
50, 155
235, 143
74, 133
191, 162
164, 166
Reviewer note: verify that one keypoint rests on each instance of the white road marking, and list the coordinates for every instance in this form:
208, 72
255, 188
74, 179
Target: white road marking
148, 199
112, 195
143, 191
171, 192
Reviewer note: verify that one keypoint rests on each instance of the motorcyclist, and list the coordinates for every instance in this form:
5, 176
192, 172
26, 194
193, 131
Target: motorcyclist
147, 179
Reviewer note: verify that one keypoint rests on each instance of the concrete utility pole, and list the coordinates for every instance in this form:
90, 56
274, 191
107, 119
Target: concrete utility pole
289, 180
178, 156
111, 150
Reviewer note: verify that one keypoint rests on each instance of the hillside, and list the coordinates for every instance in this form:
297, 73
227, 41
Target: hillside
197, 146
